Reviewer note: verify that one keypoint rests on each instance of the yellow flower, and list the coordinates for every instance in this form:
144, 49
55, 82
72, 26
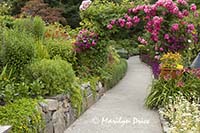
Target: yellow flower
179, 66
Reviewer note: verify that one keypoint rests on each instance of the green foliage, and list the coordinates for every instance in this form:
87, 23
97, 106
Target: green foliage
4, 9
116, 72
163, 89
76, 98
22, 115
17, 49
35, 25
70, 10
6, 21
56, 75
91, 61
62, 48
16, 5
99, 14
41, 51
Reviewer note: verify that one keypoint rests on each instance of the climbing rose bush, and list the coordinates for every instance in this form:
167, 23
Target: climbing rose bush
85, 40
165, 24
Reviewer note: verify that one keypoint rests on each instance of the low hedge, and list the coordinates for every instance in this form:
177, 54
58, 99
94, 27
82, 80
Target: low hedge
22, 115
116, 72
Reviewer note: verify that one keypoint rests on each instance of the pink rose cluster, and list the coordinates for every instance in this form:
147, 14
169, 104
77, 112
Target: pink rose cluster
85, 4
125, 22
85, 40
142, 40
150, 14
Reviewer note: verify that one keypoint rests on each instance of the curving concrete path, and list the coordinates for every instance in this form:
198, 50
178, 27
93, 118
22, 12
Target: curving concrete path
121, 109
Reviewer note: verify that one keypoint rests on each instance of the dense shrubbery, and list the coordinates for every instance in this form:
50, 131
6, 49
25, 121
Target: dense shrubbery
115, 72
17, 49
22, 115
57, 76
90, 62
62, 48
35, 25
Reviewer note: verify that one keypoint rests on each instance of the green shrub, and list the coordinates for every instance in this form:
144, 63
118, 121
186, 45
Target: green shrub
41, 51
116, 72
56, 75
17, 49
62, 48
90, 62
22, 115
35, 26
162, 89
6, 21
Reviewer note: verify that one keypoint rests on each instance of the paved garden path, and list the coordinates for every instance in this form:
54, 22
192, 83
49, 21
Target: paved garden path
121, 109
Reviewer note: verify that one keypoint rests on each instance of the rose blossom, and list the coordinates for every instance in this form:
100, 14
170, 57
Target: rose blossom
193, 7
109, 26
166, 36
175, 27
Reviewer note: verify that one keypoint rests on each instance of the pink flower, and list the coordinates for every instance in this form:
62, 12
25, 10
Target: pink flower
175, 27
161, 49
157, 57
180, 84
109, 26
193, 7
112, 22
142, 40
121, 22
180, 15
183, 2
196, 14
129, 25
166, 36
85, 4
185, 12
136, 19
190, 27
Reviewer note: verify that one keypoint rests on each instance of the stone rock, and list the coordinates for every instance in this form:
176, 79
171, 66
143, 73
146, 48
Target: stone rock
100, 85
59, 121
67, 119
49, 128
52, 104
46, 116
66, 104
5, 129
86, 85
90, 100
44, 107
61, 97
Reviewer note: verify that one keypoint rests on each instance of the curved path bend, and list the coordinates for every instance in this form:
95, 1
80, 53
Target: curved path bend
121, 109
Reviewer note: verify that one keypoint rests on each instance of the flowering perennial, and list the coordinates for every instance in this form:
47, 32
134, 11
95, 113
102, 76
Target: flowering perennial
85, 40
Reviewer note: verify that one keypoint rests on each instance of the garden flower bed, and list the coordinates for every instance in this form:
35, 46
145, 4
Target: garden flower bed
41, 60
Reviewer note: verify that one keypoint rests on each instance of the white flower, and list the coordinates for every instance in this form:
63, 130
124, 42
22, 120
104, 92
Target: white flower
189, 41
85, 4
